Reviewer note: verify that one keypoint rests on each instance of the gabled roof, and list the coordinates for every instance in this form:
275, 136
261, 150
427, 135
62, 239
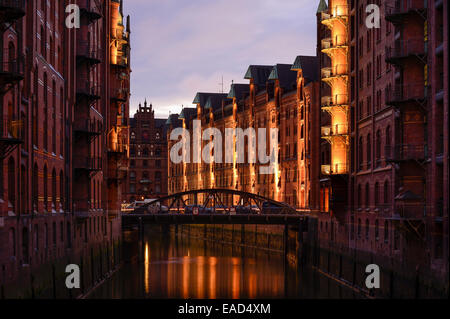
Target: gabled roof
238, 91
259, 74
309, 65
173, 120
188, 113
322, 6
285, 76
214, 101
202, 98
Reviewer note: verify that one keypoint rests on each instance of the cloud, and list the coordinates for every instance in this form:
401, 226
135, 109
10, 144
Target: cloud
182, 47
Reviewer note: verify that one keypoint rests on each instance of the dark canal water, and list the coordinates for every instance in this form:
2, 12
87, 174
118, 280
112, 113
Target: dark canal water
193, 268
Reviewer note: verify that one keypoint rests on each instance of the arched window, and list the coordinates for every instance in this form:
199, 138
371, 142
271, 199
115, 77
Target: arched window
386, 192
378, 149
25, 245
158, 152
45, 188
54, 189
61, 190
352, 227
54, 117
145, 152
23, 189
367, 195
376, 230
12, 183
377, 193
360, 203
359, 227
43, 42
35, 188
45, 112
369, 151
360, 153
367, 229
386, 231
36, 108
12, 241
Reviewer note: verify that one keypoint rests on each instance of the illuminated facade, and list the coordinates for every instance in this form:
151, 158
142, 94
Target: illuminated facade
385, 119
282, 96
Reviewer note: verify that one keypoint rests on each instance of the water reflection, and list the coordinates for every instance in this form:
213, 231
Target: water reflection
188, 268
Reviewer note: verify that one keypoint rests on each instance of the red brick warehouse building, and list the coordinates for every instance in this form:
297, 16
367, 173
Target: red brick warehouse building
147, 170
64, 134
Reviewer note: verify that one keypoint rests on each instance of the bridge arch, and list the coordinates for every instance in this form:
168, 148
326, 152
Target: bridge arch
213, 196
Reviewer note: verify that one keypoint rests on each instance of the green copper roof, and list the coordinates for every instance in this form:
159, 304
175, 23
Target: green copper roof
196, 99
297, 65
322, 6
248, 74
274, 74
208, 104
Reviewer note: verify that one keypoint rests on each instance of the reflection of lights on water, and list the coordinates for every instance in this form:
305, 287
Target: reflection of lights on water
212, 261
186, 265
200, 277
146, 269
235, 281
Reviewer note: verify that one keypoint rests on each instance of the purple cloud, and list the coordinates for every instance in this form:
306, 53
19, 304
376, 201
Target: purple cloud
181, 47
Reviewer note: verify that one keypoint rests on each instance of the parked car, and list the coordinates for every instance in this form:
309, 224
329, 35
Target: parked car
189, 210
270, 208
247, 210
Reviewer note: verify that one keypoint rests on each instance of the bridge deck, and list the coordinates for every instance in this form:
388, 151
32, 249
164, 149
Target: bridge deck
293, 219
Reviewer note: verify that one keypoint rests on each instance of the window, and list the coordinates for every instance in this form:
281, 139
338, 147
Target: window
376, 230
367, 195
378, 148
369, 151
367, 228
145, 152
45, 177
386, 231
359, 227
360, 153
386, 192
377, 193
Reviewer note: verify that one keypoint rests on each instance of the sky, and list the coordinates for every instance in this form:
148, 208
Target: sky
181, 47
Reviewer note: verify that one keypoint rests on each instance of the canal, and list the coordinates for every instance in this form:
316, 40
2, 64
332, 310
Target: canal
172, 266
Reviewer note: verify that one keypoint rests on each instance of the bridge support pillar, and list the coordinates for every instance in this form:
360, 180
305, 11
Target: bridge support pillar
243, 234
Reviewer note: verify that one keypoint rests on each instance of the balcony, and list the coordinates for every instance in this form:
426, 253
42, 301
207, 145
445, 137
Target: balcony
88, 90
91, 9
89, 127
406, 152
86, 163
333, 73
336, 13
11, 69
404, 8
404, 50
335, 169
120, 147
88, 53
119, 94
404, 94
338, 100
11, 10
334, 130
11, 136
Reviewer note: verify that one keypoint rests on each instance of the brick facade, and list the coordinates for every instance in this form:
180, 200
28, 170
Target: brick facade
64, 131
